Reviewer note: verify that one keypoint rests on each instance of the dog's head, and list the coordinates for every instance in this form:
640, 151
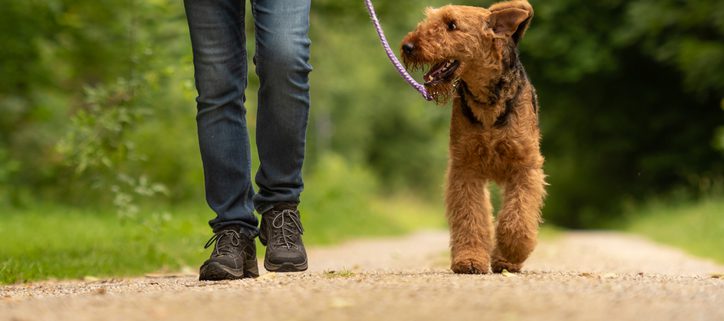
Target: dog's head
454, 41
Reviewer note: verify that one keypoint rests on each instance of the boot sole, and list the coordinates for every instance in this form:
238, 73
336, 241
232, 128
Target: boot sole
285, 267
214, 271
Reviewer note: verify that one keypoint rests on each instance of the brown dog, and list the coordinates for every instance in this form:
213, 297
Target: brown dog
494, 132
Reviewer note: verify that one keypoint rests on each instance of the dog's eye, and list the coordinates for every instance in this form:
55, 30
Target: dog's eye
451, 25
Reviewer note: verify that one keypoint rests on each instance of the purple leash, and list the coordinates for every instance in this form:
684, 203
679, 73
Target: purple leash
393, 59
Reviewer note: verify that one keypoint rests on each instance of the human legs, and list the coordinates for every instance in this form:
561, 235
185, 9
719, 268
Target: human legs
218, 41
282, 63
282, 55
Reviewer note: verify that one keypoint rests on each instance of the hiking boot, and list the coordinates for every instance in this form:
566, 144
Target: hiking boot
233, 257
281, 231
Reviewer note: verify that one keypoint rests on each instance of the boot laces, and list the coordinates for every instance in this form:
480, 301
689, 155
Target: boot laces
227, 242
287, 228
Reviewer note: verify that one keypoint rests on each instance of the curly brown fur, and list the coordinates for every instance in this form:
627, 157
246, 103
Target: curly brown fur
494, 134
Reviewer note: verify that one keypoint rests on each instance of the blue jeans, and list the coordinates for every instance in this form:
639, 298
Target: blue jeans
282, 63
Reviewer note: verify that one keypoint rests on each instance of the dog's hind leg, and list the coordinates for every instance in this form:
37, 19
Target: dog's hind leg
518, 219
469, 215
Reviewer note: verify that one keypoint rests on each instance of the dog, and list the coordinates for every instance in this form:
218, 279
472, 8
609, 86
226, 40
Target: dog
473, 58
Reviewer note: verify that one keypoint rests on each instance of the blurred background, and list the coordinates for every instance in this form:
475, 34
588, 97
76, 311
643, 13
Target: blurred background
100, 172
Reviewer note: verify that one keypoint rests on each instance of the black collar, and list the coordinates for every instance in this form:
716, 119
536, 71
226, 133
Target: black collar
467, 112
502, 120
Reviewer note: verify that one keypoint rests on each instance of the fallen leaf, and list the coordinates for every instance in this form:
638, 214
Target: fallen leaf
717, 275
339, 274
507, 274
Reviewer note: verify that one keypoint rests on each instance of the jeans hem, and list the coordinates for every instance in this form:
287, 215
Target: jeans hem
248, 230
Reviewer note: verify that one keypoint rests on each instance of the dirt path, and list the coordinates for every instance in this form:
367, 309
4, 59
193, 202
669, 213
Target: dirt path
577, 276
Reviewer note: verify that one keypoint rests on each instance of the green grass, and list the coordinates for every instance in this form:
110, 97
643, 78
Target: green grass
66, 243
49, 241
696, 227
62, 243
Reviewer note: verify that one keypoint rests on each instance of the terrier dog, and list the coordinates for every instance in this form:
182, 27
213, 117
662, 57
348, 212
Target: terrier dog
494, 133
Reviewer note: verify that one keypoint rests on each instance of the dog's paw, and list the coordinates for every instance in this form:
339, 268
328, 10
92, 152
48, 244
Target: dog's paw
470, 266
499, 265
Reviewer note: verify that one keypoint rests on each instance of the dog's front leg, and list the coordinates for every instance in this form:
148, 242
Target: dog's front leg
518, 219
469, 215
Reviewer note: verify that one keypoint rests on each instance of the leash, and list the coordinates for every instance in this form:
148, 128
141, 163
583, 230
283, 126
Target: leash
393, 59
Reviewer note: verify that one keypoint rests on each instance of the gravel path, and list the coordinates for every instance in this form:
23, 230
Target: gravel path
576, 276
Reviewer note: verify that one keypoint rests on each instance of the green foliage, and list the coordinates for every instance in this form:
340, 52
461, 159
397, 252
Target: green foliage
337, 200
362, 109
719, 139
57, 242
696, 227
630, 94
98, 133
98, 147
624, 113
340, 199
684, 34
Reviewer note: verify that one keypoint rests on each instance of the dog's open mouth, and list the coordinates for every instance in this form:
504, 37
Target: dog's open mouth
440, 72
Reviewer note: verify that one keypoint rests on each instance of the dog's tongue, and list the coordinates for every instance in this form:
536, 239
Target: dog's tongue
434, 72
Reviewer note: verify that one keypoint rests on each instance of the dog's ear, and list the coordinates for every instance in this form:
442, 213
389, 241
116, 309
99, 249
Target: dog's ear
511, 18
429, 11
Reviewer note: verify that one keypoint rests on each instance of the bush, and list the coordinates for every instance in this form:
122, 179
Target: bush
341, 194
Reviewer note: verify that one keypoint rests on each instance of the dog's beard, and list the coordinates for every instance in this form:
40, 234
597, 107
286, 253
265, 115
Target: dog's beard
441, 92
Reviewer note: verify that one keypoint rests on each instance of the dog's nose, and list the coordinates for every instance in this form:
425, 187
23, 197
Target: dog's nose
408, 47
